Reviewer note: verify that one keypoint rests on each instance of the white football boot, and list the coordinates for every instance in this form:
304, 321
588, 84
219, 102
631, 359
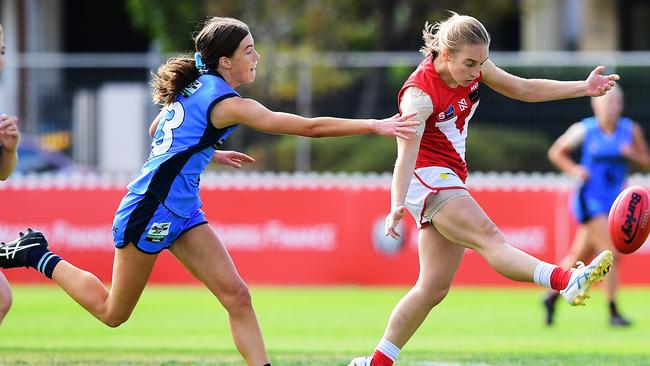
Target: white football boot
583, 277
361, 361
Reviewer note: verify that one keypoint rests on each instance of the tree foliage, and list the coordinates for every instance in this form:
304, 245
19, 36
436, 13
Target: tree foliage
300, 28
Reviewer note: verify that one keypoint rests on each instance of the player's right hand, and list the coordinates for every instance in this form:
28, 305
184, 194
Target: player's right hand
580, 172
396, 125
392, 220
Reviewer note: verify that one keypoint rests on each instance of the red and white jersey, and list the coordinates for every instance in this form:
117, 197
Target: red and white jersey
443, 140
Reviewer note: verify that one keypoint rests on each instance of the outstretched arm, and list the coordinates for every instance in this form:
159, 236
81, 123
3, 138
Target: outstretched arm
253, 114
541, 90
9, 137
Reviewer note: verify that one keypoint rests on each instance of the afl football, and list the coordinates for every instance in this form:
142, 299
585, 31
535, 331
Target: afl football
628, 219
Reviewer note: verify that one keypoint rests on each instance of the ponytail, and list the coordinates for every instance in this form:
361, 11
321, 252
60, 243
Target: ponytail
217, 38
172, 77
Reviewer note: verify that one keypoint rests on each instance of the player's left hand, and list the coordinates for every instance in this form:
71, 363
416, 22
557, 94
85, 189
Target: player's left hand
597, 84
9, 135
392, 220
231, 158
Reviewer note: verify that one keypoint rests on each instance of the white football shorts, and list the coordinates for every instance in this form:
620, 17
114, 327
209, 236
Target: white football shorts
430, 189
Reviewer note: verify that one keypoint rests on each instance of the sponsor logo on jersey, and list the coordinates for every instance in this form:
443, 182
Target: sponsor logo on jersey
474, 95
158, 232
446, 175
462, 104
446, 114
191, 89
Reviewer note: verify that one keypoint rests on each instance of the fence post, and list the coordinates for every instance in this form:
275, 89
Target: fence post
304, 108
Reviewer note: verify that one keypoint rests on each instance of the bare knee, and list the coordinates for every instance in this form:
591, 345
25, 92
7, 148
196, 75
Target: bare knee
433, 295
489, 236
236, 298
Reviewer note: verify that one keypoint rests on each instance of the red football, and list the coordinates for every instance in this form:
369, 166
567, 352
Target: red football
628, 219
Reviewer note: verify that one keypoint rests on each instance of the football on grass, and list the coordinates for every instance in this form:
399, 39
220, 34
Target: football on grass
628, 219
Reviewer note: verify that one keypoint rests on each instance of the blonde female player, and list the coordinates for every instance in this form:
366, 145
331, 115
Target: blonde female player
430, 172
608, 142
9, 137
162, 208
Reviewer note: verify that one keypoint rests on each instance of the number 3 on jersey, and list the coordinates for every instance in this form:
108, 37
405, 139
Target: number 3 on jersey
172, 119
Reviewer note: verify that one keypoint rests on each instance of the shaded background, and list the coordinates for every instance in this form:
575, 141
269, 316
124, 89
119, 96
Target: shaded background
329, 57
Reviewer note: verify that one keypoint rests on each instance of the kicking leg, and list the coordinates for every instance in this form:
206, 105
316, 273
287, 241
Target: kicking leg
579, 250
463, 221
203, 254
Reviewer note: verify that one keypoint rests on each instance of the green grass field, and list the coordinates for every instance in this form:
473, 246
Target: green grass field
325, 326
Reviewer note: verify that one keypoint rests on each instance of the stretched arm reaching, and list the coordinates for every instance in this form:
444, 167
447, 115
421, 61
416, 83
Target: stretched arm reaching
253, 114
541, 90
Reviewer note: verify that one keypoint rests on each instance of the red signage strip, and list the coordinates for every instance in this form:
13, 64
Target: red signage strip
298, 236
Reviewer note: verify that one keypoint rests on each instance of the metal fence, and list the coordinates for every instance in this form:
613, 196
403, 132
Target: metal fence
54, 96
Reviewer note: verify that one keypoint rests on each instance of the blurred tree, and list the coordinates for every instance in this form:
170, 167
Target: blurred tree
288, 32
168, 22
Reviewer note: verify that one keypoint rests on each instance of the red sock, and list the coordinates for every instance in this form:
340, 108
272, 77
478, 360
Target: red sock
560, 278
380, 359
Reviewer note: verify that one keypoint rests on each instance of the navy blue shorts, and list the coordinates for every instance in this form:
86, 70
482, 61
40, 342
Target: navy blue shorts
147, 223
585, 207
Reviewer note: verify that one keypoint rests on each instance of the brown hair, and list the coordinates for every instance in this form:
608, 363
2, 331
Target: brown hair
452, 33
218, 37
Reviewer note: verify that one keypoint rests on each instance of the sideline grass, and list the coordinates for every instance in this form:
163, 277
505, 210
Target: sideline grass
324, 326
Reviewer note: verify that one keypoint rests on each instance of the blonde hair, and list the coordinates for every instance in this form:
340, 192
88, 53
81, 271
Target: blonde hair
452, 33
1, 31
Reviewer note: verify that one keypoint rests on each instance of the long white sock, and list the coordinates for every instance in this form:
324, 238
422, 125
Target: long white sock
542, 275
389, 349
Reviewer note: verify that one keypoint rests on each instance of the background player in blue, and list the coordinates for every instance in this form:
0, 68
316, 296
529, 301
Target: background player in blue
162, 208
9, 137
608, 142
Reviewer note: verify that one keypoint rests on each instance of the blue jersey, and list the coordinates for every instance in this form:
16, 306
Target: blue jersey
601, 156
183, 145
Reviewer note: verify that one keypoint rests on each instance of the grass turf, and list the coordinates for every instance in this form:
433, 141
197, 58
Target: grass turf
325, 326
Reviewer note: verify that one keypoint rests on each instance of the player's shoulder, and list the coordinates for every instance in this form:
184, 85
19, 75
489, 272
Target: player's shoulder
588, 123
230, 110
627, 123
575, 134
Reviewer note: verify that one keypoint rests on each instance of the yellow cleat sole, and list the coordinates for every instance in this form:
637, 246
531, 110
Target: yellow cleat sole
601, 270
